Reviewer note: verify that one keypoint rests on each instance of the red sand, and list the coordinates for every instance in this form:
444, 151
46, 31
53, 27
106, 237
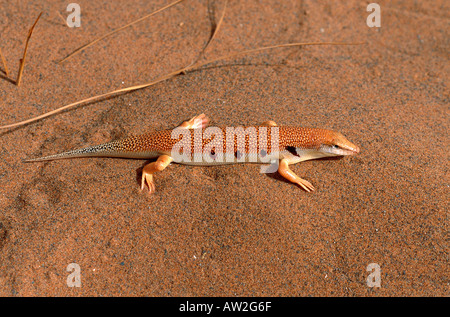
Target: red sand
227, 230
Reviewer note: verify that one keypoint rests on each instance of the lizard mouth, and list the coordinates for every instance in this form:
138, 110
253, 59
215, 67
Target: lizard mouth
351, 150
341, 150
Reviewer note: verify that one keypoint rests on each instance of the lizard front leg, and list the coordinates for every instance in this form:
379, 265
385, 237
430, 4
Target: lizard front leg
147, 173
286, 172
200, 121
269, 123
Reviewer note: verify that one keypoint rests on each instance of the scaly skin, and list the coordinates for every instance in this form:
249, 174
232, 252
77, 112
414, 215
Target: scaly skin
295, 144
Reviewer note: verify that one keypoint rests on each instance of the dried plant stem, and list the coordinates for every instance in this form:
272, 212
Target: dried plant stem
81, 48
213, 34
216, 29
62, 18
22, 61
4, 63
255, 50
165, 77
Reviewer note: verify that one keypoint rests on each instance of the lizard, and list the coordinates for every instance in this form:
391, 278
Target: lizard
284, 145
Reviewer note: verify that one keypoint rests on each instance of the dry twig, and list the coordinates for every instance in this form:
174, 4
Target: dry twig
22, 61
191, 66
4, 63
81, 48
165, 77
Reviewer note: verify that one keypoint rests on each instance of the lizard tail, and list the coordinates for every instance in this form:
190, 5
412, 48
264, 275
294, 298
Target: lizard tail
110, 149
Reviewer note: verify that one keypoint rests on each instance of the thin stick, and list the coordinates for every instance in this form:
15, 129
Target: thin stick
81, 48
4, 63
62, 18
264, 49
216, 29
22, 61
165, 77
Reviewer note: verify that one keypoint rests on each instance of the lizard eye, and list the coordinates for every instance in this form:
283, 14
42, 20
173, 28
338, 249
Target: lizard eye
335, 146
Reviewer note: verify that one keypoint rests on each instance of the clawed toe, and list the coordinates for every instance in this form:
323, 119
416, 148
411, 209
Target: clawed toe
147, 179
307, 186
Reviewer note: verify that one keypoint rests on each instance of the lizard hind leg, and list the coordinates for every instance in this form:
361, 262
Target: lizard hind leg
147, 173
200, 121
287, 173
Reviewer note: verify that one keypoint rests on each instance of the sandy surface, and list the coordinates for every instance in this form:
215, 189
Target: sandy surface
227, 230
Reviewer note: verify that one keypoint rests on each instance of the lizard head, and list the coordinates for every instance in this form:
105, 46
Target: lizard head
313, 143
335, 144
